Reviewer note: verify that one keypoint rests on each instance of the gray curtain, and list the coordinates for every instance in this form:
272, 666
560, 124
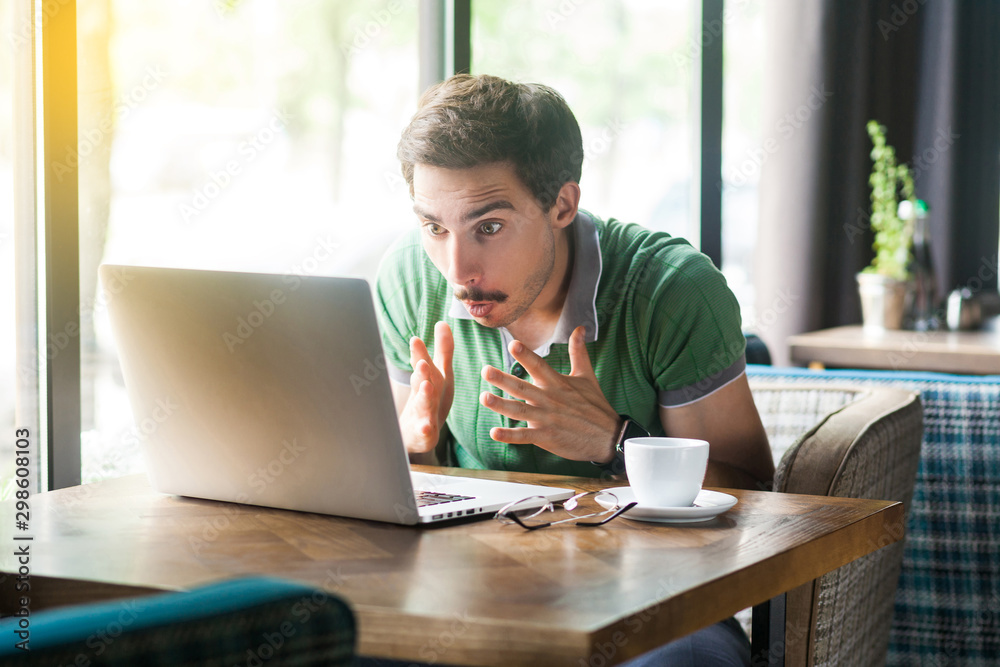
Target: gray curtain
957, 145
929, 72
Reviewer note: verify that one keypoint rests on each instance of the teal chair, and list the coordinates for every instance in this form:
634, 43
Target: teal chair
248, 621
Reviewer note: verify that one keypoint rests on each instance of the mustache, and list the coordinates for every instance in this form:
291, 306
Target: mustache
477, 294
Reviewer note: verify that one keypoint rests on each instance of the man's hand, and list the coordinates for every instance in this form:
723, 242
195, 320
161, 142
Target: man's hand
432, 388
566, 414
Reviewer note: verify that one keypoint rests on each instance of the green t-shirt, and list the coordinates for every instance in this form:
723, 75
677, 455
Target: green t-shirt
663, 329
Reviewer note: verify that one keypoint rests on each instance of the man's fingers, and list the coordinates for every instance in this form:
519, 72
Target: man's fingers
418, 351
426, 389
444, 347
513, 436
537, 367
420, 374
508, 407
419, 396
423, 414
425, 405
514, 386
424, 369
579, 358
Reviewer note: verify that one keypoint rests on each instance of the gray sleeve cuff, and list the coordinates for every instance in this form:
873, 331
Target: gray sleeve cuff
398, 374
675, 398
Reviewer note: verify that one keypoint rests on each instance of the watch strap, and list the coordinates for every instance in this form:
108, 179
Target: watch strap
630, 428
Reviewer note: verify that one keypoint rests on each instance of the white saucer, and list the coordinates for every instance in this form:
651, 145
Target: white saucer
707, 504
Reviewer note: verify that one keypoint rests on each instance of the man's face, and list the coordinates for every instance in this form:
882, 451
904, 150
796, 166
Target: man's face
488, 236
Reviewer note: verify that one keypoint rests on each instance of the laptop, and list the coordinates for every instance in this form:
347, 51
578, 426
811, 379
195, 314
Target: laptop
272, 390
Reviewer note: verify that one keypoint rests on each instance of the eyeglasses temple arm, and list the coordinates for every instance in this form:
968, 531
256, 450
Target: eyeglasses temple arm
618, 512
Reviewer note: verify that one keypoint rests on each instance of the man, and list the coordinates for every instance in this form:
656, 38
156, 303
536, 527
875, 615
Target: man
555, 335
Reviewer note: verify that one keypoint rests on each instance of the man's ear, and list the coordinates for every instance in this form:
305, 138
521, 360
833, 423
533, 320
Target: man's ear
567, 203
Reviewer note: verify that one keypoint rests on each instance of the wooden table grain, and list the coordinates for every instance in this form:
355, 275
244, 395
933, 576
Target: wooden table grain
476, 593
962, 352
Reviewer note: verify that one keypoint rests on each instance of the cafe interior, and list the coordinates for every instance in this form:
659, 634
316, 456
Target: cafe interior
837, 160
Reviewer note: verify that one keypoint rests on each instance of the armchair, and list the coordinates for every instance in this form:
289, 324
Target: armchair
846, 441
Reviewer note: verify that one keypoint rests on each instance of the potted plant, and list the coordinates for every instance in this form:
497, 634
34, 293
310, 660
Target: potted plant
884, 284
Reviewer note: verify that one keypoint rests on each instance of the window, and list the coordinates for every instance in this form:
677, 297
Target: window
253, 136
744, 147
625, 68
261, 134
8, 331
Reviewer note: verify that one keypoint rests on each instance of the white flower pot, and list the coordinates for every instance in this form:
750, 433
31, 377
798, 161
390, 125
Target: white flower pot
883, 301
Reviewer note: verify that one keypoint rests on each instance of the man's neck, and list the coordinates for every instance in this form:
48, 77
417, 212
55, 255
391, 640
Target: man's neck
537, 324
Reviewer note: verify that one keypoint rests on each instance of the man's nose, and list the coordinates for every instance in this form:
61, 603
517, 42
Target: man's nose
464, 265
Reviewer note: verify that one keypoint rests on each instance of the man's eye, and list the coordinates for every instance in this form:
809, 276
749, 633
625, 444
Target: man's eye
434, 229
490, 228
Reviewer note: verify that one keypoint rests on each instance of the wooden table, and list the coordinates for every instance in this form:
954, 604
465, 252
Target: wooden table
476, 593
964, 352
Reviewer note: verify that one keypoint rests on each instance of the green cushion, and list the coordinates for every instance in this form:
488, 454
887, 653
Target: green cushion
248, 621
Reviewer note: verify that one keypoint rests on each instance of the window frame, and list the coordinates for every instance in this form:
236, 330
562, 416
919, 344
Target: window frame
58, 352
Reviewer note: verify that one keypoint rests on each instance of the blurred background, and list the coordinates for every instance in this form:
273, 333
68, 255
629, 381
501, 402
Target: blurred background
261, 135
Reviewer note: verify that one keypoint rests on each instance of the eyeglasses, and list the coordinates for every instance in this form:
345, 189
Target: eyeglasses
532, 513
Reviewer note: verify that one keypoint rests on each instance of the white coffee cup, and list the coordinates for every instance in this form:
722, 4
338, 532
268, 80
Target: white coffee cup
666, 472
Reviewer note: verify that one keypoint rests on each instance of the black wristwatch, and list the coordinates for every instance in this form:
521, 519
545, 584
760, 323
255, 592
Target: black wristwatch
630, 428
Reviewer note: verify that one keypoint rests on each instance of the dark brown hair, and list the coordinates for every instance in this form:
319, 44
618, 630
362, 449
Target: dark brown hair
468, 120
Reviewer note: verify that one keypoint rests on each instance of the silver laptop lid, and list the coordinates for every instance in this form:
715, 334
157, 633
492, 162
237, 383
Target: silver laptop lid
261, 389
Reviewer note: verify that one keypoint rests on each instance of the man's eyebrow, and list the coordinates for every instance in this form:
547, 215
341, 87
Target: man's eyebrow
498, 205
424, 215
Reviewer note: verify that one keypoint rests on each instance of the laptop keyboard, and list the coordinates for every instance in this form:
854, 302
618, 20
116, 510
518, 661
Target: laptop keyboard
425, 498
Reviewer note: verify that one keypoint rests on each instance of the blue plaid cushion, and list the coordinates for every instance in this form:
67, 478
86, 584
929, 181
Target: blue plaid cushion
948, 602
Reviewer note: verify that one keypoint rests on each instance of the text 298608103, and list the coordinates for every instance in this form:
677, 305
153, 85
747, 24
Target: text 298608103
22, 548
